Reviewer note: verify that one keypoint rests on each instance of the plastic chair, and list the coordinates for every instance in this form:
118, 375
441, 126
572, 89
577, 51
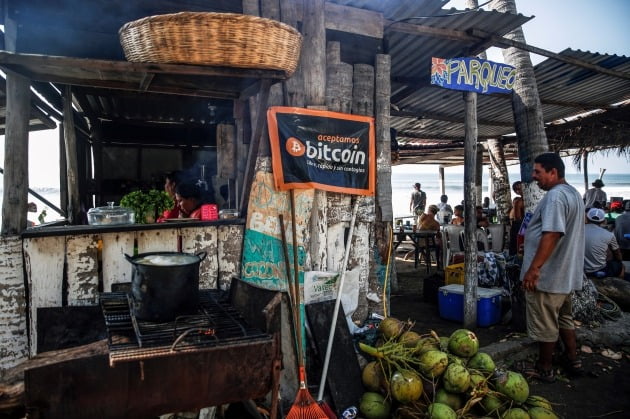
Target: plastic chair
481, 237
451, 242
497, 237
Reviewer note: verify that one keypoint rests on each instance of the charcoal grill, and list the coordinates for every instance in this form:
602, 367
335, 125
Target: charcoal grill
228, 351
216, 323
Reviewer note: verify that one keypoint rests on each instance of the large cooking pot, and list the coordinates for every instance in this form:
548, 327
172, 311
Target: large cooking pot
165, 284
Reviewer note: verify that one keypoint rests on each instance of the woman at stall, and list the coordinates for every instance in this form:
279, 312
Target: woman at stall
189, 198
170, 184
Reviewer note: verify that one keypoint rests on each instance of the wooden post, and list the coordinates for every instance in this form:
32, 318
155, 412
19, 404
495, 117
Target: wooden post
478, 172
338, 99
362, 244
97, 137
70, 137
15, 181
313, 59
384, 223
441, 180
585, 169
470, 199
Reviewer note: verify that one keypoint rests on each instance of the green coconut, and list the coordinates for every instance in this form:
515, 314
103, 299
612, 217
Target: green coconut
427, 344
405, 386
454, 401
515, 413
456, 379
409, 338
440, 411
537, 412
454, 359
372, 376
374, 406
433, 363
513, 385
463, 343
538, 401
481, 361
493, 403
391, 327
478, 381
444, 343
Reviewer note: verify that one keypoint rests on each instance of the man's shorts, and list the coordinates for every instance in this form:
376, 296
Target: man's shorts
546, 314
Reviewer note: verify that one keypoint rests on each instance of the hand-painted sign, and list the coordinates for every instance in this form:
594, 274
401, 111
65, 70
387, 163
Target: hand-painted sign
323, 150
473, 75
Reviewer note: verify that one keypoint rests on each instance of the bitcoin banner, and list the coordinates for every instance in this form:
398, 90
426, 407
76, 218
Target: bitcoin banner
323, 150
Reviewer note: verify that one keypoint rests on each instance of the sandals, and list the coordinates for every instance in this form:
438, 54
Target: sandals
573, 368
530, 371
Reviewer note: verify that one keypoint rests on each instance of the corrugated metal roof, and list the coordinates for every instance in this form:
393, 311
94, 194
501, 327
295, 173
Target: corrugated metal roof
565, 90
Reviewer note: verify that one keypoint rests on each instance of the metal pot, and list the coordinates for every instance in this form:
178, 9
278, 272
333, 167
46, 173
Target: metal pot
164, 284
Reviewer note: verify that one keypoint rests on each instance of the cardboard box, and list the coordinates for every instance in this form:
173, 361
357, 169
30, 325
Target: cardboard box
451, 304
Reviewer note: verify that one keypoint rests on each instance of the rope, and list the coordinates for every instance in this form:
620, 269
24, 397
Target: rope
609, 309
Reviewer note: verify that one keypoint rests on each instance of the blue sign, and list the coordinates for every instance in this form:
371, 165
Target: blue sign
472, 75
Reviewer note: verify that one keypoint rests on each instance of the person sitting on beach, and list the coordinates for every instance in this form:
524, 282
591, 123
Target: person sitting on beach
598, 243
445, 212
482, 220
615, 210
595, 197
458, 215
428, 221
622, 227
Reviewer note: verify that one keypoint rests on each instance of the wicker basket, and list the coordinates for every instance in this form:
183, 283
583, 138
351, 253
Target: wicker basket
215, 39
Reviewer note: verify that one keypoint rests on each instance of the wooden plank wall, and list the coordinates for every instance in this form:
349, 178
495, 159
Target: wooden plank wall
13, 337
73, 269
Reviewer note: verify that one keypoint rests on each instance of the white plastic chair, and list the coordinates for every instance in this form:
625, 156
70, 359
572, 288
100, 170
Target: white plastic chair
497, 236
451, 243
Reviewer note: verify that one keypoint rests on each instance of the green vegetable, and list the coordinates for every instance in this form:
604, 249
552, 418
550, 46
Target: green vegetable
150, 203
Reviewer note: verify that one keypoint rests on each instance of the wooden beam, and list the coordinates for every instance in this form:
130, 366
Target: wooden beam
421, 114
353, 20
503, 42
423, 30
15, 179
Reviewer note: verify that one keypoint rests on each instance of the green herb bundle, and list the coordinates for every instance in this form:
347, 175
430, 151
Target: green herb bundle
145, 204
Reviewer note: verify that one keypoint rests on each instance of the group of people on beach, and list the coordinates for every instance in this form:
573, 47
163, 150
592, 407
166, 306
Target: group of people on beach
563, 245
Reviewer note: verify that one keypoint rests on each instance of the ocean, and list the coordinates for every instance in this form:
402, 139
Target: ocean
616, 185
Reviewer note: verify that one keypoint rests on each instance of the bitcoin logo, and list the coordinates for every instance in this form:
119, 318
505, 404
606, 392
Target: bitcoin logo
295, 147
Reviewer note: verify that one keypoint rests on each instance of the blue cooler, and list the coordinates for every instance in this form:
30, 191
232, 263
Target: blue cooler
451, 304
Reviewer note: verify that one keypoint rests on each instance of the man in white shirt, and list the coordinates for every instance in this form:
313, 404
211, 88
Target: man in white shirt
597, 243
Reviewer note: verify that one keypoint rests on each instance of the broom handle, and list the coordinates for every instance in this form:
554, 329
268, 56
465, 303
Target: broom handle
331, 334
287, 266
296, 280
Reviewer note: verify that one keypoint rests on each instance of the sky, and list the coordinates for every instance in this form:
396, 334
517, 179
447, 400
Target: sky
588, 25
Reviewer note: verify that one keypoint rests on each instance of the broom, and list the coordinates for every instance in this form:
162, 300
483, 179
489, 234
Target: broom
304, 405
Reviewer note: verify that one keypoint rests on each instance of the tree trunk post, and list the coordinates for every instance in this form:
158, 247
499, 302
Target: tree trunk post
500, 180
527, 109
470, 200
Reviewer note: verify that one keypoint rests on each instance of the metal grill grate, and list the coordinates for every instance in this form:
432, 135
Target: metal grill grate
216, 323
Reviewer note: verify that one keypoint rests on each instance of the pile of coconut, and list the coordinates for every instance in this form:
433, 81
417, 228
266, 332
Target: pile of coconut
428, 376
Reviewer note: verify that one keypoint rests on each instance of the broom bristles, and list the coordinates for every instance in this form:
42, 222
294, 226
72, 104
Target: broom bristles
305, 407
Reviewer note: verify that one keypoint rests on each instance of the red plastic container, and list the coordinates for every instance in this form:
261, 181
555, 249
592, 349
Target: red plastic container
209, 212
